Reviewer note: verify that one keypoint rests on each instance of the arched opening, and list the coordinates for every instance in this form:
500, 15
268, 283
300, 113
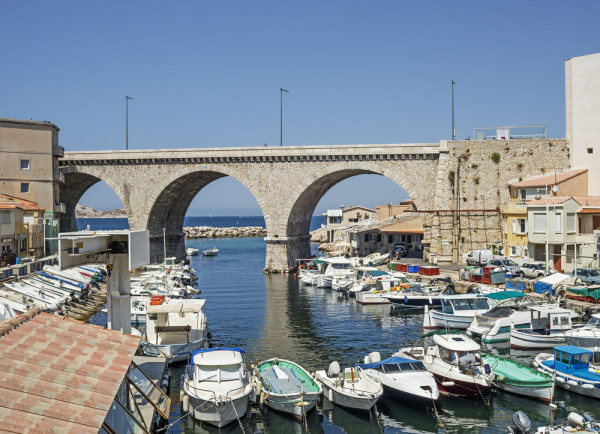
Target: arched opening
351, 196
86, 189
167, 215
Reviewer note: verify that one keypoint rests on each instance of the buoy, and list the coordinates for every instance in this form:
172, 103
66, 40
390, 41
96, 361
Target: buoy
447, 384
263, 396
258, 387
553, 406
181, 394
330, 395
185, 403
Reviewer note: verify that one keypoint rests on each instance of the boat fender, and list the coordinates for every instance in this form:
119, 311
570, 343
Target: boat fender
330, 395
500, 378
258, 387
165, 383
185, 403
572, 382
587, 386
553, 406
535, 364
263, 397
447, 384
209, 335
560, 379
181, 394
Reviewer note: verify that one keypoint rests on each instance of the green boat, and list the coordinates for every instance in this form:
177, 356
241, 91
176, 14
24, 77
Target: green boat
517, 378
287, 387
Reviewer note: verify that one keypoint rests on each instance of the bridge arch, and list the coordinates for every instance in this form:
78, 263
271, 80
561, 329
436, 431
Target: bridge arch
77, 182
171, 199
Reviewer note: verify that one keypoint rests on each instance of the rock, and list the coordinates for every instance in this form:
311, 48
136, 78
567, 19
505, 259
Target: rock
211, 232
318, 236
86, 211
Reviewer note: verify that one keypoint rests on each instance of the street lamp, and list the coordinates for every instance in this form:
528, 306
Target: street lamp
453, 130
127, 98
281, 90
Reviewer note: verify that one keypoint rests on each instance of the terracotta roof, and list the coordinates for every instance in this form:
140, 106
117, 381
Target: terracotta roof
588, 200
553, 200
12, 202
9, 205
589, 211
17, 199
551, 179
58, 374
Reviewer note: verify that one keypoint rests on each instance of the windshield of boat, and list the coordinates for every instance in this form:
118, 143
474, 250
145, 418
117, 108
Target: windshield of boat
393, 368
217, 373
340, 266
459, 357
593, 323
464, 304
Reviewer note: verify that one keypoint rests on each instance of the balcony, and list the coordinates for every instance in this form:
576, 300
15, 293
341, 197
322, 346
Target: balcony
58, 151
60, 208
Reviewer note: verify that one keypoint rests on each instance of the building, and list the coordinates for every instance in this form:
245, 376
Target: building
567, 228
27, 218
582, 105
345, 217
385, 212
29, 168
522, 191
13, 233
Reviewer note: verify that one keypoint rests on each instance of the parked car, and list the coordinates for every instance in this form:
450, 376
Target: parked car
399, 250
589, 276
479, 257
506, 264
534, 270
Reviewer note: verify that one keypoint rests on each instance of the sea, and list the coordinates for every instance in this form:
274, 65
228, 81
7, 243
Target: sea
274, 315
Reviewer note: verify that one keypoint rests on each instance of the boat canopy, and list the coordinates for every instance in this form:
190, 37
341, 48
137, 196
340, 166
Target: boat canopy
189, 305
503, 295
319, 261
217, 356
459, 342
572, 350
376, 273
377, 365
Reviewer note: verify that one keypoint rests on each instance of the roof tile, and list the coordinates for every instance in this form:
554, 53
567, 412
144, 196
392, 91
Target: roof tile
552, 179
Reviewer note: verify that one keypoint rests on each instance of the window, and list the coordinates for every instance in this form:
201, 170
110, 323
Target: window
571, 222
558, 223
24, 187
590, 150
514, 192
24, 164
539, 222
519, 226
5, 218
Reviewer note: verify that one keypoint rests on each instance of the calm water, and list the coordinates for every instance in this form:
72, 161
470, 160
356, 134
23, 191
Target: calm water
275, 316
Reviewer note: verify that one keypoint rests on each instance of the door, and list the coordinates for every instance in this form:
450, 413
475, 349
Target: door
557, 258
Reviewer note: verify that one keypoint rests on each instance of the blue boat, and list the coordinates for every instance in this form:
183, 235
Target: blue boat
571, 367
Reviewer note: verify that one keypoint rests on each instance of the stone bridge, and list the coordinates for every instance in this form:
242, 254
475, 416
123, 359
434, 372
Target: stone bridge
156, 187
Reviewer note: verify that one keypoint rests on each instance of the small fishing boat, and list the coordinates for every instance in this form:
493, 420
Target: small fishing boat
571, 368
375, 259
457, 311
576, 423
587, 336
191, 251
333, 267
287, 386
417, 297
514, 377
378, 286
455, 362
403, 378
548, 327
210, 252
216, 386
351, 389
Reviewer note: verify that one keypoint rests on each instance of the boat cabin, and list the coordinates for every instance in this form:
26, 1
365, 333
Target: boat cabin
175, 322
569, 359
395, 365
218, 365
547, 318
330, 265
464, 304
458, 349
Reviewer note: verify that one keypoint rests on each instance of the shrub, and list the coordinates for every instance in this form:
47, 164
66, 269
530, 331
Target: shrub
474, 166
476, 180
496, 157
464, 156
451, 176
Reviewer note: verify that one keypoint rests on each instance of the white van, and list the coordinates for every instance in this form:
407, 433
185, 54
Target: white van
479, 257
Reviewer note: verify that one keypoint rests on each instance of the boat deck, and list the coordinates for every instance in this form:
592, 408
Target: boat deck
284, 380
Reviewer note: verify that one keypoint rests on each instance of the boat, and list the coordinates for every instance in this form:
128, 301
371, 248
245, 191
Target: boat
174, 328
210, 252
375, 259
309, 270
587, 336
6, 311
216, 386
517, 378
375, 284
404, 379
191, 251
458, 311
333, 267
287, 386
417, 297
571, 367
44, 296
351, 389
548, 327
576, 423
455, 362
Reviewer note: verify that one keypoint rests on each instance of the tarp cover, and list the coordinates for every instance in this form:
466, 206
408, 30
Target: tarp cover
377, 365
503, 295
585, 291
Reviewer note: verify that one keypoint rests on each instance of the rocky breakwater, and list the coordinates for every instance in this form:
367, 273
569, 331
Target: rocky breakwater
212, 232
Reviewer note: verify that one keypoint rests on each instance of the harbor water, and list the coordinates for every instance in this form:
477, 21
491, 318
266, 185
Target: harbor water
273, 315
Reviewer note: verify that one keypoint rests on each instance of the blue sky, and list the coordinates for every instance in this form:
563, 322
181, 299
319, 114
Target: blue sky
207, 74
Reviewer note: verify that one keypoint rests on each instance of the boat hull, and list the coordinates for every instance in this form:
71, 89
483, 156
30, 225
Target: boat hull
216, 412
293, 404
442, 320
467, 389
175, 352
363, 405
523, 339
543, 394
415, 301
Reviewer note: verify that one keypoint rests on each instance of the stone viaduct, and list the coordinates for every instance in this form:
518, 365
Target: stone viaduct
156, 187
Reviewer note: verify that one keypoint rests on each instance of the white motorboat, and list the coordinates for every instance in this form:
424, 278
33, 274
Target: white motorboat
309, 271
175, 328
403, 378
6, 311
351, 389
417, 297
457, 311
69, 274
455, 362
210, 252
287, 386
587, 337
191, 251
333, 267
376, 292
22, 303
216, 386
48, 297
548, 327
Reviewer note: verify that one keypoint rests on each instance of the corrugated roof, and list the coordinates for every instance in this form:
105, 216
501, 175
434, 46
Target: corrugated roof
551, 179
58, 374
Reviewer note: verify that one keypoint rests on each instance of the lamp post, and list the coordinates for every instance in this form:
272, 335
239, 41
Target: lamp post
127, 98
453, 130
281, 90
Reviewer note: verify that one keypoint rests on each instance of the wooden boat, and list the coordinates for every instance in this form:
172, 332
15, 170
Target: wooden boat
514, 377
548, 327
351, 389
571, 368
216, 386
210, 252
403, 378
287, 387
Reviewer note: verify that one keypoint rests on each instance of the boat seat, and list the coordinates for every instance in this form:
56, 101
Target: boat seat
351, 376
286, 383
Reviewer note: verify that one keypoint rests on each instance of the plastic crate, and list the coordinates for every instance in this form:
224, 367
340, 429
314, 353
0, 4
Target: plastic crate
412, 268
429, 271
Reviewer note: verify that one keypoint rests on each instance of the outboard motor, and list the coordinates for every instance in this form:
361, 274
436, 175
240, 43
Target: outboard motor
520, 423
334, 370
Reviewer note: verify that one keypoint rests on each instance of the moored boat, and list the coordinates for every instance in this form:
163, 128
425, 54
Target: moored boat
210, 252
191, 251
514, 377
216, 386
287, 386
587, 337
548, 327
351, 389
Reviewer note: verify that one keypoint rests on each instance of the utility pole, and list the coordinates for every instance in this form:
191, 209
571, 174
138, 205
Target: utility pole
453, 130
127, 98
281, 90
